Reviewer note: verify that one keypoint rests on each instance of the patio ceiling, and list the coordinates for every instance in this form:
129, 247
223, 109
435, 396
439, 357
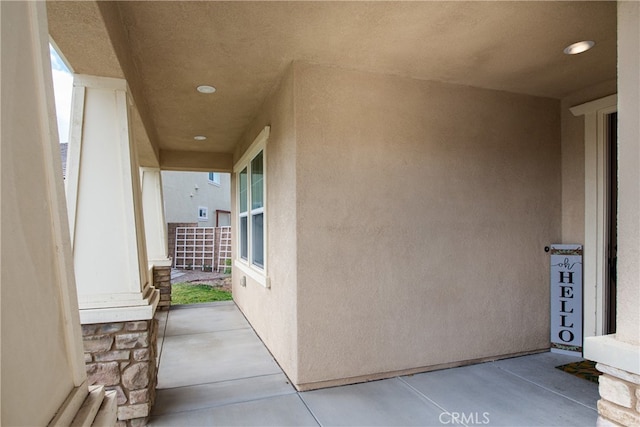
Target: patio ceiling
166, 49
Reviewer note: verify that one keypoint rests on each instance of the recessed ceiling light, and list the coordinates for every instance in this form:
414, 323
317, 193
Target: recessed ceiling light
206, 89
579, 47
199, 137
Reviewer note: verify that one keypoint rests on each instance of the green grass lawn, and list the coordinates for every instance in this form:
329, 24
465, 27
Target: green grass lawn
182, 293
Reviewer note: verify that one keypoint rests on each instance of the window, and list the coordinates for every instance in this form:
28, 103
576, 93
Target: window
251, 204
203, 213
257, 211
214, 178
243, 214
251, 211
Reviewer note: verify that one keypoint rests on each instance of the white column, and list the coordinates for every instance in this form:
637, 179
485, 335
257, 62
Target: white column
105, 205
42, 354
618, 355
628, 307
622, 349
154, 223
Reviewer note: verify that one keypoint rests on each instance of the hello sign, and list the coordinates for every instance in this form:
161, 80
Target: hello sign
566, 299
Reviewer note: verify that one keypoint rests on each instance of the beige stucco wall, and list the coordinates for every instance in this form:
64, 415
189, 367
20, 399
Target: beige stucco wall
273, 312
419, 205
41, 343
573, 184
180, 206
628, 298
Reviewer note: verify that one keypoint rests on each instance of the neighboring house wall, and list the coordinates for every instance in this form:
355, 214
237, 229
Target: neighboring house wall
182, 200
416, 204
63, 157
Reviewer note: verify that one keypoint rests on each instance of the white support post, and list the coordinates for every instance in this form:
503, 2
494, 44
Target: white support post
42, 351
618, 355
595, 210
154, 223
105, 205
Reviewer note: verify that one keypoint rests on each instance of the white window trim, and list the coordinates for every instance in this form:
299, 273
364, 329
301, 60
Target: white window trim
243, 215
213, 181
260, 275
206, 213
595, 207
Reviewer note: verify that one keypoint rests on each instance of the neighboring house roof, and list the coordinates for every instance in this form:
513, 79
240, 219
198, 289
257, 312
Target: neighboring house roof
63, 156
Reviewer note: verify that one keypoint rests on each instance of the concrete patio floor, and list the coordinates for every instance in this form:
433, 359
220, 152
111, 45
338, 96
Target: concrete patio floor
214, 370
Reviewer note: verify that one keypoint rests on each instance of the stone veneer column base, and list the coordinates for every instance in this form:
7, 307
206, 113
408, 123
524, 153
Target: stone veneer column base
122, 357
162, 281
619, 403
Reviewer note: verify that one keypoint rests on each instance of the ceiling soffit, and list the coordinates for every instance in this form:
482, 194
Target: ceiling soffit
242, 48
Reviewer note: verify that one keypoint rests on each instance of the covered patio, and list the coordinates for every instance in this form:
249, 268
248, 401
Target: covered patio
397, 171
214, 370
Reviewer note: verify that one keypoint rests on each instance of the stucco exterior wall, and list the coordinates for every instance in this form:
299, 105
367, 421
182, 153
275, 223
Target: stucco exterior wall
273, 312
41, 341
573, 160
179, 206
419, 205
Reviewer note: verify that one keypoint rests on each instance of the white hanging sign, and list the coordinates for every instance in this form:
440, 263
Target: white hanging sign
566, 299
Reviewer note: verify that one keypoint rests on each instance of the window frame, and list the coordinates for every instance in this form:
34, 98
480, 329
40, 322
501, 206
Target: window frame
595, 210
204, 217
247, 265
214, 181
243, 214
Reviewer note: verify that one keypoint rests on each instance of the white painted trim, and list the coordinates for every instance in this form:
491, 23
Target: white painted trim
150, 274
69, 409
608, 350
111, 300
153, 214
258, 144
160, 262
214, 181
259, 274
107, 83
594, 106
121, 314
265, 212
130, 180
74, 156
136, 196
255, 274
566, 352
595, 211
133, 288
204, 217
